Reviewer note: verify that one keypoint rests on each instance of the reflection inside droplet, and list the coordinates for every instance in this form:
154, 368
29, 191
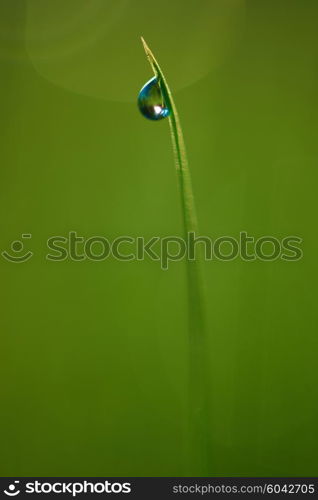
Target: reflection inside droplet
151, 101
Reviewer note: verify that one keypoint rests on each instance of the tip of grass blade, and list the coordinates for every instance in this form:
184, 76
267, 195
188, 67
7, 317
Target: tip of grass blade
143, 41
146, 48
150, 57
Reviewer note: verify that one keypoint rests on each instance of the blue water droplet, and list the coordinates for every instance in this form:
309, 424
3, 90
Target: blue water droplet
151, 101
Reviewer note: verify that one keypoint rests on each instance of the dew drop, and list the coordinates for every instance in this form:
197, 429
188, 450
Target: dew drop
151, 102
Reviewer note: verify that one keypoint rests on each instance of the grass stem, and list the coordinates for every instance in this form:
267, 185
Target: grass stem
198, 356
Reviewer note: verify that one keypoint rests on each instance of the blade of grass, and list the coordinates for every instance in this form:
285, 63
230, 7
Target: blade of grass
198, 357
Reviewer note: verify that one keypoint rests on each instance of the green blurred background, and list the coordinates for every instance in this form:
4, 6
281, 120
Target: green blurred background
94, 354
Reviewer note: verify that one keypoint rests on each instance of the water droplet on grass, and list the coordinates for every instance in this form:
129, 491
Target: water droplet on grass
151, 101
